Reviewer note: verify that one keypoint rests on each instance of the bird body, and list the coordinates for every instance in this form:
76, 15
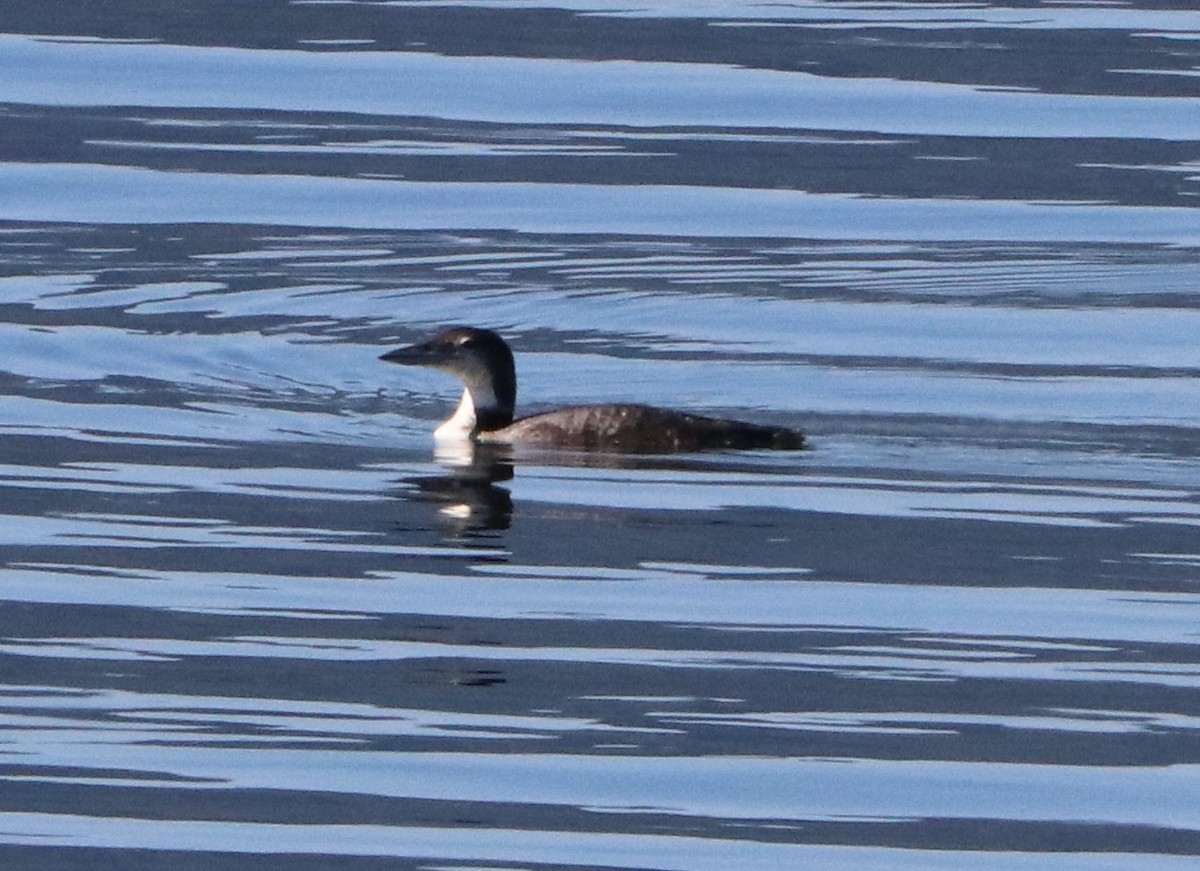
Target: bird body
484, 362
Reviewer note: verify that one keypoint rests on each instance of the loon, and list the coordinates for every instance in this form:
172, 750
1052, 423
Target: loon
482, 360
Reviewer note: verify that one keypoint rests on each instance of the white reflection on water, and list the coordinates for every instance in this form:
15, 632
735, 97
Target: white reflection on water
553, 848
978, 615
98, 194
796, 789
153, 532
944, 723
279, 483
394, 148
817, 13
1114, 337
560, 92
919, 662
1066, 503
206, 718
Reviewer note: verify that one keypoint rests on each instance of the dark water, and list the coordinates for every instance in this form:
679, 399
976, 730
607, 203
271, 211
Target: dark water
250, 620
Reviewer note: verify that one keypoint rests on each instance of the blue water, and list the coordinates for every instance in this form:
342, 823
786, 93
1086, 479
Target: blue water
251, 618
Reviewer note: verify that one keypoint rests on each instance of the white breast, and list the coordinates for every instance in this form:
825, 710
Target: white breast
461, 425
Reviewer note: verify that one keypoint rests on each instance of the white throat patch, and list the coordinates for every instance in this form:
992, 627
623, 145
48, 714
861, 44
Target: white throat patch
461, 425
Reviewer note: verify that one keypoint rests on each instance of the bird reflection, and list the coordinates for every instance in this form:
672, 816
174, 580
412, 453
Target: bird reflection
468, 496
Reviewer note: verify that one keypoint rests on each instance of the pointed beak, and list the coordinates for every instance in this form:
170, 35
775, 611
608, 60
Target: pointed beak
403, 356
416, 355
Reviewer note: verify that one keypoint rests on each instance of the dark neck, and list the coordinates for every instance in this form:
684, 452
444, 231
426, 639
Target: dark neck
493, 390
503, 372
489, 419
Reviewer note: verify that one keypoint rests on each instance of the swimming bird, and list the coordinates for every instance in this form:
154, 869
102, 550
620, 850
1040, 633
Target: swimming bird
482, 360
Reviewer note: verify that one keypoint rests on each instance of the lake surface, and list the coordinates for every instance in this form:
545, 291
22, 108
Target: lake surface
251, 619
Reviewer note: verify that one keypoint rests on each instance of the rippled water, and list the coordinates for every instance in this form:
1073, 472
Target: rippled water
252, 620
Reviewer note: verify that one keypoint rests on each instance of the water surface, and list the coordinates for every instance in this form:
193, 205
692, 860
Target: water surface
253, 619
